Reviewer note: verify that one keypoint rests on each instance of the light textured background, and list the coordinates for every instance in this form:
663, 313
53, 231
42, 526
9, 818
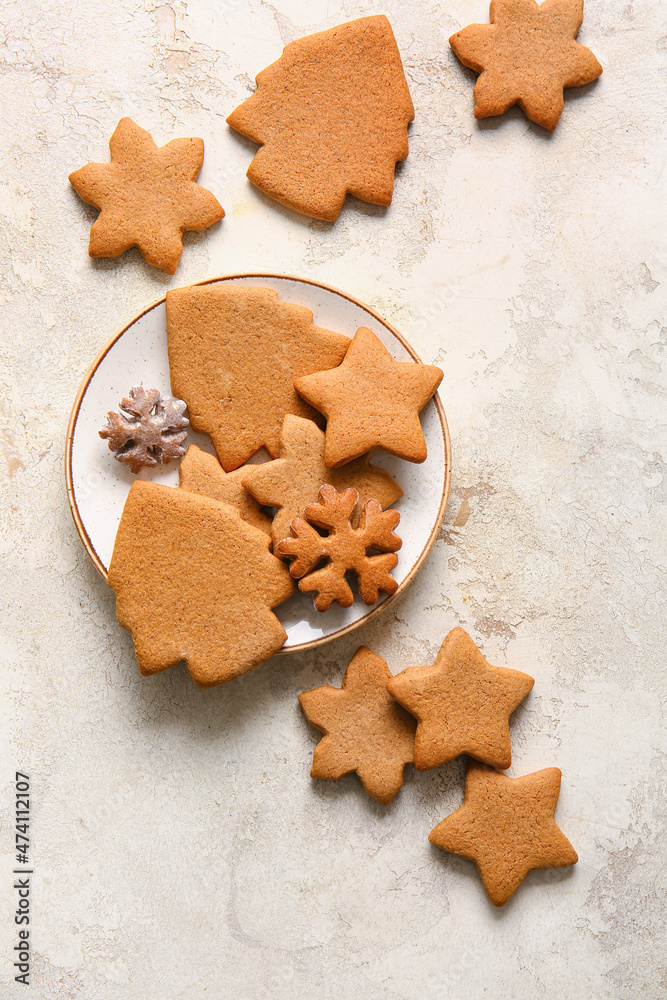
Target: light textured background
181, 849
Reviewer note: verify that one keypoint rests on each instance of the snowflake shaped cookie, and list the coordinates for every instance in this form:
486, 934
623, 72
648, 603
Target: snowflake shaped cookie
152, 432
345, 548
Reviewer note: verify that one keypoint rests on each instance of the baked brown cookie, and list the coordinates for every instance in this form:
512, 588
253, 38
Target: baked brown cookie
195, 582
294, 478
371, 401
149, 431
345, 549
507, 827
331, 116
234, 353
463, 704
147, 196
526, 56
201, 473
364, 729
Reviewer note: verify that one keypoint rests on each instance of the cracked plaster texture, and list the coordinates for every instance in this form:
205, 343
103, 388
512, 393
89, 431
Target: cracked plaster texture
180, 848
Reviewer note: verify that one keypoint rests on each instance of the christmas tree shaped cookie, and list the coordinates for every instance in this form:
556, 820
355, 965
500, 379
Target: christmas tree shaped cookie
234, 353
331, 116
201, 473
195, 582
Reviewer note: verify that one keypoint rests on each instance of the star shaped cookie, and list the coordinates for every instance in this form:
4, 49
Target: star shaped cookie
234, 353
462, 704
364, 729
507, 827
147, 196
526, 56
201, 473
195, 582
371, 401
294, 479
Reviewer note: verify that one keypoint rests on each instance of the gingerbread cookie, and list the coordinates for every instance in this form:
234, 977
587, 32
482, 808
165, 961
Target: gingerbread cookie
234, 353
294, 478
371, 401
147, 196
150, 431
526, 56
331, 116
507, 827
195, 582
201, 473
463, 704
345, 548
364, 729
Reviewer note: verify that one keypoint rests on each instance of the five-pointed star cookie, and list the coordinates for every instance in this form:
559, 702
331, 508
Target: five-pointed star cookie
294, 479
234, 353
195, 582
463, 704
200, 472
364, 729
371, 401
526, 56
147, 196
507, 827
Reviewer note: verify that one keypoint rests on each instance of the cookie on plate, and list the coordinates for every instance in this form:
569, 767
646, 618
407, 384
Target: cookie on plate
344, 549
195, 582
364, 729
371, 401
147, 196
148, 431
202, 473
331, 116
234, 353
294, 479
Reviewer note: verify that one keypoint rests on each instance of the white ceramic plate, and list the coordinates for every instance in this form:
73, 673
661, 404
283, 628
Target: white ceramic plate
98, 485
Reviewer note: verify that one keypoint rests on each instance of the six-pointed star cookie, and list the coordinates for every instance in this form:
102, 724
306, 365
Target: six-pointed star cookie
364, 729
371, 401
201, 473
463, 704
294, 479
234, 353
507, 827
147, 196
526, 56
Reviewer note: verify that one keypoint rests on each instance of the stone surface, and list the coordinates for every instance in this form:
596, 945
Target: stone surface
180, 848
